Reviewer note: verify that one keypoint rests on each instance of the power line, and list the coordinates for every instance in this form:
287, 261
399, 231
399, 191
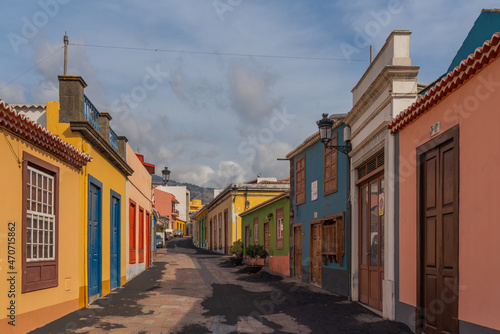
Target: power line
32, 67
214, 53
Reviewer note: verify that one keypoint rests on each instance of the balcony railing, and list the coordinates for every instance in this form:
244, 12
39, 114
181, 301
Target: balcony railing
113, 139
91, 112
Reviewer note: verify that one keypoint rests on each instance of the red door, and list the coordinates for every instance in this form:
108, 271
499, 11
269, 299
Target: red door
148, 240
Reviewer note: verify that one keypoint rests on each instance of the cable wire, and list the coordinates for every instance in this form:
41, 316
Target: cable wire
213, 53
32, 67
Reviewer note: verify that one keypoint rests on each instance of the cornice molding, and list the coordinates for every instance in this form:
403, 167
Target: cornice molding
90, 133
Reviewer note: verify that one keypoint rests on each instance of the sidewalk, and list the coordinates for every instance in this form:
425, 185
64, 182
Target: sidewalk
194, 291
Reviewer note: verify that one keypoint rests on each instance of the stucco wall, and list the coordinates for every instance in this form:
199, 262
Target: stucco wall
324, 205
474, 107
139, 191
101, 169
39, 307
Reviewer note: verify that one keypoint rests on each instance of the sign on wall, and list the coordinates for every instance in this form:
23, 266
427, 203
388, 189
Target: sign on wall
314, 190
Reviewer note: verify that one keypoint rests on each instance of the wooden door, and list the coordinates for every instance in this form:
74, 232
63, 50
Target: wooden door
371, 241
316, 260
439, 238
297, 252
267, 237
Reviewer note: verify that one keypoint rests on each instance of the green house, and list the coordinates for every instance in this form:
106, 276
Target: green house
268, 224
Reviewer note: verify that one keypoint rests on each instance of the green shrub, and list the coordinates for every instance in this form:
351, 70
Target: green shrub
255, 252
236, 247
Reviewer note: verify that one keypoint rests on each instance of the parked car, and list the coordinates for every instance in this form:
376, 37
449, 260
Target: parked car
169, 235
178, 233
159, 242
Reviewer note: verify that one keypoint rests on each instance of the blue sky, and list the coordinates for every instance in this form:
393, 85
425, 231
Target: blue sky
213, 118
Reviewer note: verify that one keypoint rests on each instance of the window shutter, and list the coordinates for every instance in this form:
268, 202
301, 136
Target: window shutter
301, 181
131, 217
141, 235
330, 168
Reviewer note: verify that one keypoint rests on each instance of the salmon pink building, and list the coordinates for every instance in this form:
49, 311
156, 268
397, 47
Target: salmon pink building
165, 203
448, 195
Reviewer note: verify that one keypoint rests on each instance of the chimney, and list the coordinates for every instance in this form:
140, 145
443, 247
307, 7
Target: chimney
104, 119
71, 98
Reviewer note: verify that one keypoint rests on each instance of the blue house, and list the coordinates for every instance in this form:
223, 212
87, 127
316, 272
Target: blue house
320, 217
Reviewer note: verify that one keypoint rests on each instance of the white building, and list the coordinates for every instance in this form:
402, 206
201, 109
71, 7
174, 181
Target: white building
387, 87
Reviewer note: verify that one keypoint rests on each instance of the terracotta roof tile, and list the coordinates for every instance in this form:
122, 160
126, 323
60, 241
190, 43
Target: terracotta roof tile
467, 68
38, 135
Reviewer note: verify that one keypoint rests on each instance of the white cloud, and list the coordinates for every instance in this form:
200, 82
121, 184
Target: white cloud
250, 90
12, 94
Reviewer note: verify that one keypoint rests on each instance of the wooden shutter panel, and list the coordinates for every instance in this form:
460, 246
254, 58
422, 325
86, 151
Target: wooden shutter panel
301, 181
330, 168
131, 235
141, 235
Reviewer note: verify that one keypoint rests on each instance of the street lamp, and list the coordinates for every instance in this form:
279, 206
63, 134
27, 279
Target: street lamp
165, 173
325, 135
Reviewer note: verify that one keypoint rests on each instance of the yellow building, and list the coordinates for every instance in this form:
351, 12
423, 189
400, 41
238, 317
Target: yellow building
195, 205
102, 212
223, 221
180, 225
200, 218
39, 205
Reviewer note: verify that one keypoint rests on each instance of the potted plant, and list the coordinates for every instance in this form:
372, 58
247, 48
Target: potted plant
236, 250
255, 252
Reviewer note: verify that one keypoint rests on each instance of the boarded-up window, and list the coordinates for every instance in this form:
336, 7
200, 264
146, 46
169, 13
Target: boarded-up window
40, 218
333, 240
279, 228
300, 188
330, 168
256, 230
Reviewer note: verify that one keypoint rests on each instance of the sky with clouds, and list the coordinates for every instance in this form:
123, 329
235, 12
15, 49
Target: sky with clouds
226, 108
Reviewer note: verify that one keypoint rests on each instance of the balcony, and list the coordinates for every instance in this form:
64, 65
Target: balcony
91, 113
113, 139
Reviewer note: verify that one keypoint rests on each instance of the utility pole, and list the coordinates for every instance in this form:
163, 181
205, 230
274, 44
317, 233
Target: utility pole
65, 54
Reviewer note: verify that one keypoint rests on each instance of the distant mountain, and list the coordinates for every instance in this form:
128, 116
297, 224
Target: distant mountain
205, 194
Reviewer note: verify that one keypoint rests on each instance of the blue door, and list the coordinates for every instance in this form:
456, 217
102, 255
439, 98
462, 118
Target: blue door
115, 240
94, 239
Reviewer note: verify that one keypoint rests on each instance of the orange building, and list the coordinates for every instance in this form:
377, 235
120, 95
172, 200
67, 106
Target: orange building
448, 181
39, 220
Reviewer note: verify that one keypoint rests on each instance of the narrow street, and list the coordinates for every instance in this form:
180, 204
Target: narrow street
194, 291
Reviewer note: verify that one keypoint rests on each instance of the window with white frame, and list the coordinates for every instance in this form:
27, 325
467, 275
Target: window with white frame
279, 228
40, 224
40, 216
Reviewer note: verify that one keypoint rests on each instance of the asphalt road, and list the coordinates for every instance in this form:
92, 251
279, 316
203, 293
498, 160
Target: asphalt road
189, 290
